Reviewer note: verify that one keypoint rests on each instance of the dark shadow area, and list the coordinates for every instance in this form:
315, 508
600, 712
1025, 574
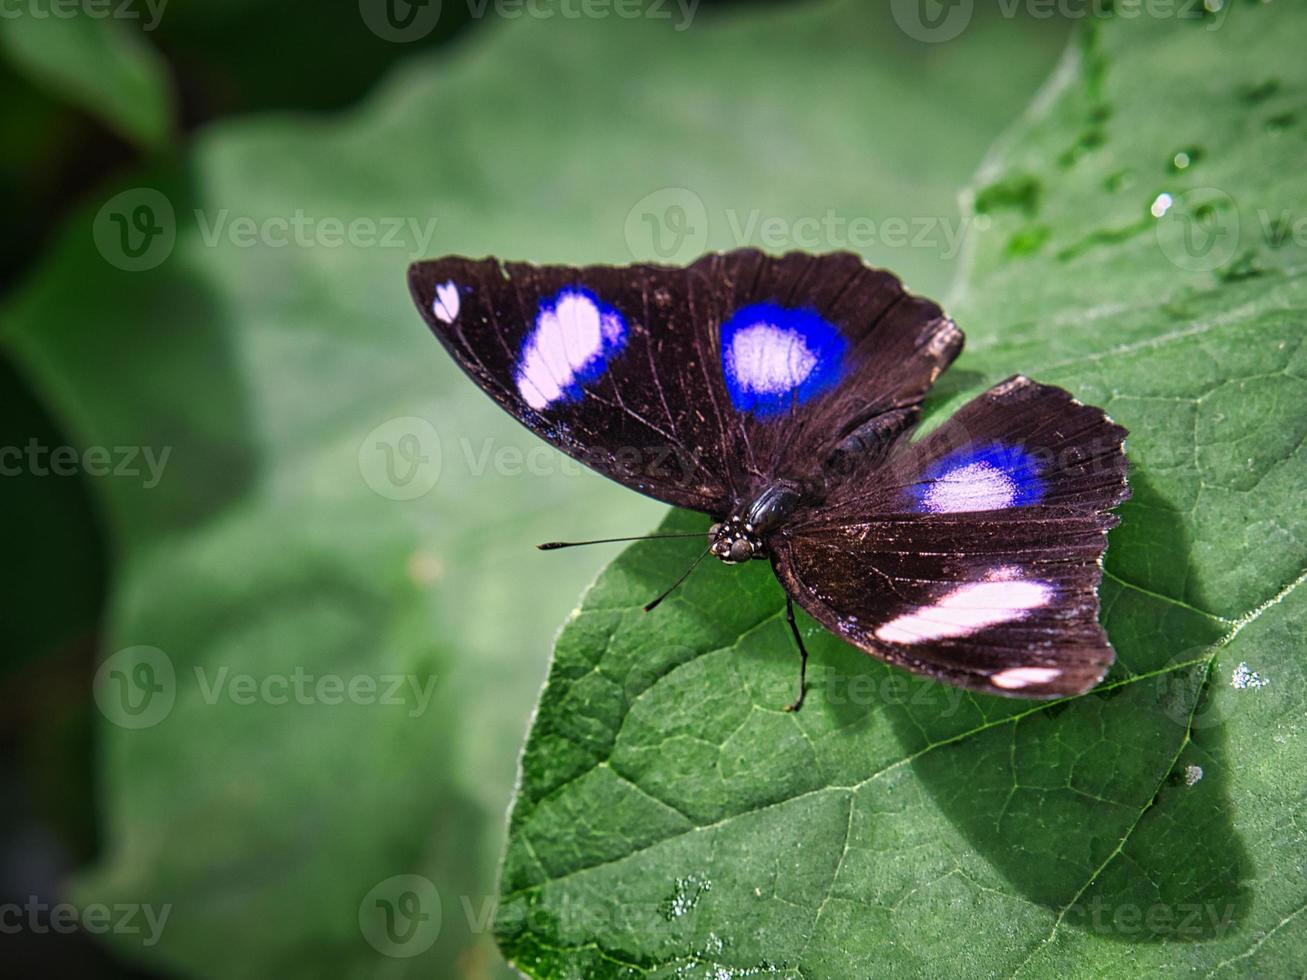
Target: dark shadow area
48, 825
53, 578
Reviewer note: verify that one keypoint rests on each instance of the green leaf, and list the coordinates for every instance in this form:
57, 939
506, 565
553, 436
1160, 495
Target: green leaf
673, 821
272, 375
95, 61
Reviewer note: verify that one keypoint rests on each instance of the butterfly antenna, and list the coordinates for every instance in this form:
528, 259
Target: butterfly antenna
555, 545
684, 575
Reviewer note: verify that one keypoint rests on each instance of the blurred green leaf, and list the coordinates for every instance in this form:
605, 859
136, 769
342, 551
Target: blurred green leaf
272, 373
95, 61
672, 821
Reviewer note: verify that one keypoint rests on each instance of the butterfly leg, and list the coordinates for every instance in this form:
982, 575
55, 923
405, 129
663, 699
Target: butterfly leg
803, 655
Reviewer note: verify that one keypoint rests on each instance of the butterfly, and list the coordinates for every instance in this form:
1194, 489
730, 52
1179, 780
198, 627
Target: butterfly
780, 396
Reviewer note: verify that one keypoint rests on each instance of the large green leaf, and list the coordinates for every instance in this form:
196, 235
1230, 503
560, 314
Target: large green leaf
673, 821
266, 371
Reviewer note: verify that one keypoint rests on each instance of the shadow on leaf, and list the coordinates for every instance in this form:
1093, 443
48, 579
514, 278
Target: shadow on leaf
1111, 809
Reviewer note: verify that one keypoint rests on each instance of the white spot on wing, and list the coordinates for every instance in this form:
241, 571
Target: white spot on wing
1015, 678
1000, 598
568, 338
445, 305
970, 487
766, 359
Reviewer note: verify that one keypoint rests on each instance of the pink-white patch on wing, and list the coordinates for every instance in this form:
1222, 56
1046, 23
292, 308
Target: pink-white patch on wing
1000, 598
445, 305
970, 487
1015, 678
768, 359
568, 340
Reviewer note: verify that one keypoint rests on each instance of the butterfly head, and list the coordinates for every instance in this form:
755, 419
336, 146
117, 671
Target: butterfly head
734, 541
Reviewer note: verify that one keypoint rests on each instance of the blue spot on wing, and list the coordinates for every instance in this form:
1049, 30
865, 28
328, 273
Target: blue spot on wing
774, 357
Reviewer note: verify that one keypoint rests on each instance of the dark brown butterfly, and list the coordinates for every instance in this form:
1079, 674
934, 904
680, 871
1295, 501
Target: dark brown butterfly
778, 395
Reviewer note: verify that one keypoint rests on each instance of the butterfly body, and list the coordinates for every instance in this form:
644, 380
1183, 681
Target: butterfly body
779, 396
743, 534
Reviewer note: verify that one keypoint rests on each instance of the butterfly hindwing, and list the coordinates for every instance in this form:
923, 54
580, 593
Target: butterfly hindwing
693, 385
973, 555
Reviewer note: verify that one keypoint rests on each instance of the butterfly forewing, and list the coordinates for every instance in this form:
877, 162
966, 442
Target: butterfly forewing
693, 385
889, 346
606, 363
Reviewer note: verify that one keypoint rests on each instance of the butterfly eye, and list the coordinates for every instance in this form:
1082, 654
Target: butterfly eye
741, 550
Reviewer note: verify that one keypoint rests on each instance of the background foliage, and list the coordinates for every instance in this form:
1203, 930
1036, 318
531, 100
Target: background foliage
915, 818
